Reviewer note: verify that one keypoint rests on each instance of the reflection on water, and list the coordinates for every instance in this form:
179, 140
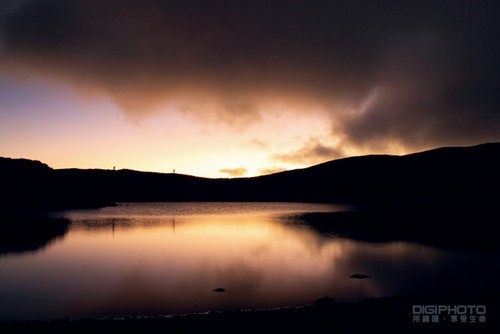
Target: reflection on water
146, 259
26, 234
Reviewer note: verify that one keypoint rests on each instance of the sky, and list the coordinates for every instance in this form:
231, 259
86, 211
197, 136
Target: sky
242, 88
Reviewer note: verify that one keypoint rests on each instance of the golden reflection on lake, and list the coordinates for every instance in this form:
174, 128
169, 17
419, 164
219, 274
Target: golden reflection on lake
111, 264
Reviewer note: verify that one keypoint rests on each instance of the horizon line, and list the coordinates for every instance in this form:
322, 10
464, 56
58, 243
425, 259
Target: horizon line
247, 177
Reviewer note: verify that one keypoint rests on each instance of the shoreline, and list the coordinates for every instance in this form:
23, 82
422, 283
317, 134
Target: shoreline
392, 314
448, 227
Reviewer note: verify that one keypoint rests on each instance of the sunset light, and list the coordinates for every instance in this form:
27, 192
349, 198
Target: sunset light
237, 166
237, 90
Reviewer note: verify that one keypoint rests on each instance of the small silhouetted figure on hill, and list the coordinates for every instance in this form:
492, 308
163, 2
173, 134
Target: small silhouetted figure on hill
174, 170
114, 168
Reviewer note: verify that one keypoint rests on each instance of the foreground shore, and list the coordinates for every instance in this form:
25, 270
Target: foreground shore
478, 312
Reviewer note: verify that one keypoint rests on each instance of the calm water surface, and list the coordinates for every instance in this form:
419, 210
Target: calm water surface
164, 258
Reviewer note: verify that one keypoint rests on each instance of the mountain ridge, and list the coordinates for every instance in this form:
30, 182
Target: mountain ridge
437, 176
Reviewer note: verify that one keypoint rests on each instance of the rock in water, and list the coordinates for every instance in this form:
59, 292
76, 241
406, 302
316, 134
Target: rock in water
360, 276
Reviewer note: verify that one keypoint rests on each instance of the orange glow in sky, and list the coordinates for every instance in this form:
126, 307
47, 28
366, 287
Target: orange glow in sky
231, 88
58, 126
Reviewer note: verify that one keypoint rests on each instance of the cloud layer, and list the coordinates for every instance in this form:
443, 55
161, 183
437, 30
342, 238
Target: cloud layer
240, 171
409, 73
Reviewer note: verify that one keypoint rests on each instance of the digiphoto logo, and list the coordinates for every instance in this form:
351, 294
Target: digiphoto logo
472, 314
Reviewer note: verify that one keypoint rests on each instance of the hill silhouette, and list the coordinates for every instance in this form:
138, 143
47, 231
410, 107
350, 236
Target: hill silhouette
444, 176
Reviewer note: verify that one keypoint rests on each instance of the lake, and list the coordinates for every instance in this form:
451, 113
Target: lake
165, 258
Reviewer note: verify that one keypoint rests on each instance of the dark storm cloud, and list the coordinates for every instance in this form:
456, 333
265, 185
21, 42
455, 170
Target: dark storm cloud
420, 73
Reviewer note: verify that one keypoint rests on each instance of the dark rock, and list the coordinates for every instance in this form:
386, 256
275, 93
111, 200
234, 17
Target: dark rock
359, 276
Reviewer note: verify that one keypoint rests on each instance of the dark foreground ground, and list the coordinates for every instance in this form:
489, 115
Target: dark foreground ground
399, 314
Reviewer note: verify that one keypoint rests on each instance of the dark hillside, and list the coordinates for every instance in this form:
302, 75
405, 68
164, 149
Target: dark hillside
445, 176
